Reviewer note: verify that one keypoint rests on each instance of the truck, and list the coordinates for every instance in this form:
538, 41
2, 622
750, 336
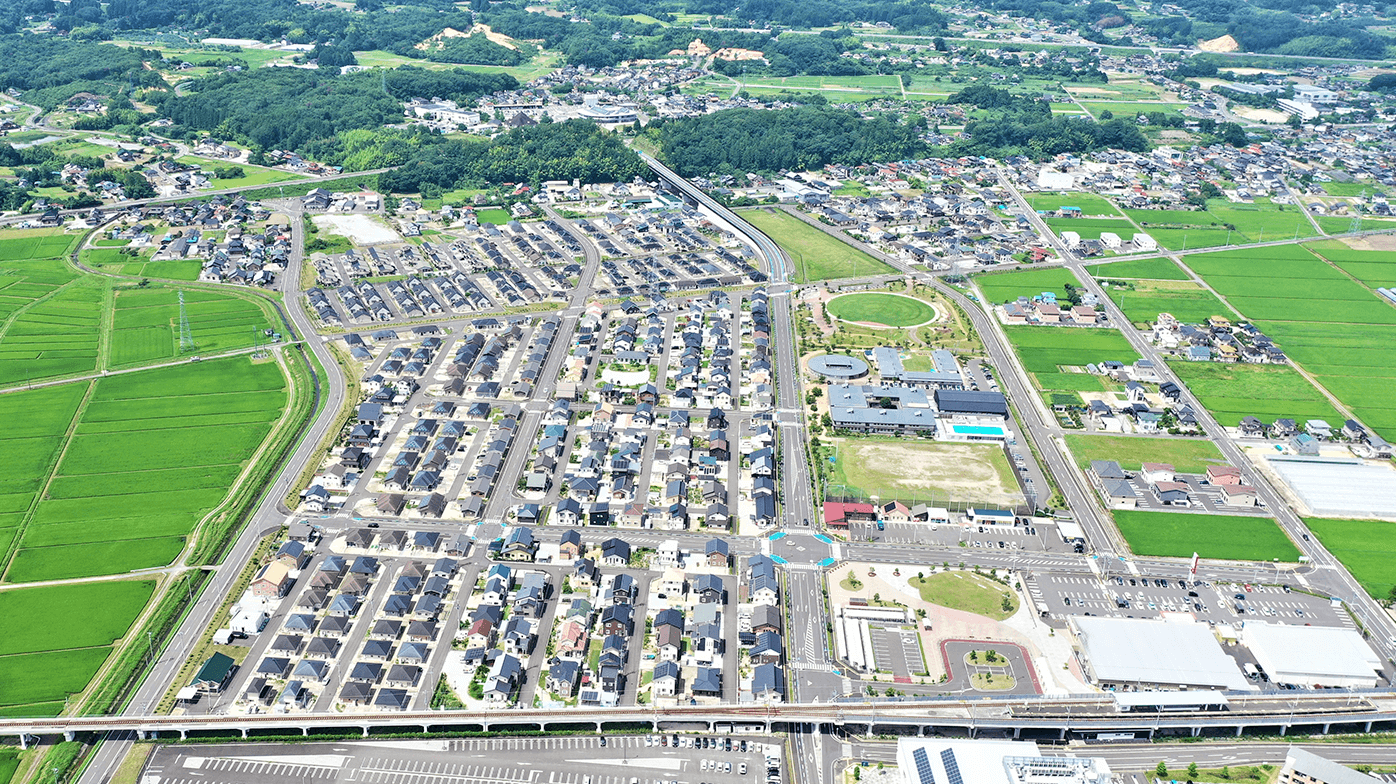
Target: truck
1251, 671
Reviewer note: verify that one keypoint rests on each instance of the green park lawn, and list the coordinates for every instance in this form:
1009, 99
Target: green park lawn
815, 255
252, 175
1222, 537
1188, 456
893, 310
494, 215
1000, 287
968, 592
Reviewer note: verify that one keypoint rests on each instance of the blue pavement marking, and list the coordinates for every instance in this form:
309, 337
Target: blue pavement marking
777, 535
779, 560
823, 538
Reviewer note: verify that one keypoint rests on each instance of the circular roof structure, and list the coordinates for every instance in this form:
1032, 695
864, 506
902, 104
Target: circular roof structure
841, 367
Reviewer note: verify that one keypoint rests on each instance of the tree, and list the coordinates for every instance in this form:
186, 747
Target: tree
1226, 772
1192, 771
1162, 770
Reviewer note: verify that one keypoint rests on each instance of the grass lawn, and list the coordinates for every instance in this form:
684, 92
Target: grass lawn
1232, 391
1089, 203
1142, 301
252, 175
1188, 456
983, 681
1223, 537
1124, 109
967, 591
495, 215
999, 287
913, 471
1353, 188
815, 255
1366, 547
1145, 269
892, 310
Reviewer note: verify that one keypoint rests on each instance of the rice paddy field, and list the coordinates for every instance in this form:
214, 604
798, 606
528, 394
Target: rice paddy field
146, 323
1091, 228
64, 632
1336, 328
1056, 356
1233, 391
1000, 287
1089, 203
112, 259
1142, 301
149, 454
1193, 229
1224, 537
1366, 547
1139, 269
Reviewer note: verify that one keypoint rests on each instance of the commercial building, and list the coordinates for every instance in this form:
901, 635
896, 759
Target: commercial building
1138, 653
927, 761
1312, 655
1306, 767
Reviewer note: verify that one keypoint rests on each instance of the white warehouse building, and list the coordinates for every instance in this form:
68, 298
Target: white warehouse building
1312, 655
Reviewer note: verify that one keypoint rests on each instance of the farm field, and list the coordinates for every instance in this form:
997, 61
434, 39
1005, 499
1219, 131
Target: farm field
1091, 228
815, 255
146, 323
1351, 361
922, 472
1045, 351
1232, 391
893, 310
64, 631
1223, 537
1003, 287
36, 420
1260, 222
1143, 300
1376, 268
1090, 203
1143, 269
1188, 456
1336, 224
1128, 109
1191, 229
1366, 547
151, 455
54, 336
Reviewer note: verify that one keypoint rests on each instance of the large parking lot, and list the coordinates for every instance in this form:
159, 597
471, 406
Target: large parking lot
1036, 538
1144, 597
588, 759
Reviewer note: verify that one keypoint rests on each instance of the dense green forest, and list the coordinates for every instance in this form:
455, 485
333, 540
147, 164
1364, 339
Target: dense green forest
50, 70
1022, 125
737, 141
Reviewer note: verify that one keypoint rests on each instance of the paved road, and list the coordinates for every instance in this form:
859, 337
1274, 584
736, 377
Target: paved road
269, 515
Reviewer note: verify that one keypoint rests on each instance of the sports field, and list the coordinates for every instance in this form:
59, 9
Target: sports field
1222, 537
1187, 455
1336, 328
58, 636
1233, 391
151, 453
1366, 547
892, 310
1145, 269
815, 255
1000, 287
1142, 301
930, 473
1057, 356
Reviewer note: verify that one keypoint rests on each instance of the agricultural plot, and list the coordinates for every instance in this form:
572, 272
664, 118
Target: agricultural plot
1260, 222
1192, 229
1057, 357
1091, 228
64, 632
1126, 109
1142, 301
1089, 203
1376, 268
1351, 361
815, 255
1188, 456
152, 454
114, 260
36, 420
146, 323
1334, 224
251, 175
54, 336
1232, 391
1366, 547
1008, 286
1140, 269
1224, 537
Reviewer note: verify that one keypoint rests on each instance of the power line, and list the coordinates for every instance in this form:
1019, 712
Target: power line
186, 337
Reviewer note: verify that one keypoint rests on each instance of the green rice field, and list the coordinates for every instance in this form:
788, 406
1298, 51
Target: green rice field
1046, 352
1233, 391
1143, 300
1090, 204
1091, 228
1000, 287
1366, 547
1222, 537
1144, 269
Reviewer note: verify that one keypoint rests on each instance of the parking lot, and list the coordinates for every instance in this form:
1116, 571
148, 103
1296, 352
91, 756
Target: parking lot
1023, 538
1143, 597
897, 650
588, 759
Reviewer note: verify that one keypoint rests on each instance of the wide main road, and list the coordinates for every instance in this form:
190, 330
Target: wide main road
269, 515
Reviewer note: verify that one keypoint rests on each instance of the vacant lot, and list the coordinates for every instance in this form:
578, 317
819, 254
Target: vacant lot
923, 472
1222, 537
967, 591
893, 310
1089, 203
1189, 456
1366, 547
815, 255
1142, 301
1003, 287
1269, 392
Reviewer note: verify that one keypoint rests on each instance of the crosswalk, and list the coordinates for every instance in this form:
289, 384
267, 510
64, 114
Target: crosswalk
563, 742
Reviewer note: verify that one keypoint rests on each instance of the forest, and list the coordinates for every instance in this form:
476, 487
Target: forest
737, 141
1022, 125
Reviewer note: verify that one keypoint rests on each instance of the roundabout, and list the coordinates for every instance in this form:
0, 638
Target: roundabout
881, 309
